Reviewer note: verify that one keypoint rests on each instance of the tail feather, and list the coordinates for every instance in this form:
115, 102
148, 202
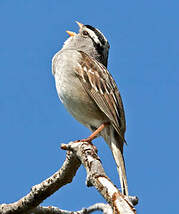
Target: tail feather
116, 146
119, 159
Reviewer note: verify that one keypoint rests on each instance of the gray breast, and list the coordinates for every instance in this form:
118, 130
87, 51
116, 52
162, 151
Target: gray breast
70, 90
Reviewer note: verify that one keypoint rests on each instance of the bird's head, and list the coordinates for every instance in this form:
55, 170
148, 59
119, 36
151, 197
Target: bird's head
89, 40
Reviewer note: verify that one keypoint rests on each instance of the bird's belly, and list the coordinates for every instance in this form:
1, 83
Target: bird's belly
78, 103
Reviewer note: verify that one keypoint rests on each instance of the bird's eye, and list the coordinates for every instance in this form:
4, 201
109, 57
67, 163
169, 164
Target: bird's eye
85, 33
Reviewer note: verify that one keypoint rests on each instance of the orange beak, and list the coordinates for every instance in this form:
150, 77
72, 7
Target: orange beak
79, 24
70, 33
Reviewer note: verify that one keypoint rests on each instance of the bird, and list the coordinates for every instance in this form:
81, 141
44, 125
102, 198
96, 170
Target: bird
89, 92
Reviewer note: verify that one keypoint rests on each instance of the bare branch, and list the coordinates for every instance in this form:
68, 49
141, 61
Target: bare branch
78, 152
105, 208
43, 190
96, 177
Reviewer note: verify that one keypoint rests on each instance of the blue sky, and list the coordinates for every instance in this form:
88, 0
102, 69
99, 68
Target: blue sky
144, 62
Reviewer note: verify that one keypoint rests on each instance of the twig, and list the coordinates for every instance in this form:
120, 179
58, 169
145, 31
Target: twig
105, 208
78, 152
43, 190
96, 177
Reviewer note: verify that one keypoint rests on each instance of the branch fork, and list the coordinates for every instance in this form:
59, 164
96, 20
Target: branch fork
77, 153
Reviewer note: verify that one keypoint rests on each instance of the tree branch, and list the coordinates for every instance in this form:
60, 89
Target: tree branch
105, 208
78, 152
96, 177
43, 190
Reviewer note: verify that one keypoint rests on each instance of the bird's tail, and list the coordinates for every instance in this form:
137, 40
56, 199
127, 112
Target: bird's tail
116, 145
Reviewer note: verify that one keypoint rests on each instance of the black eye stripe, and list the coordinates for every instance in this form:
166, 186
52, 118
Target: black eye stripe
99, 48
100, 37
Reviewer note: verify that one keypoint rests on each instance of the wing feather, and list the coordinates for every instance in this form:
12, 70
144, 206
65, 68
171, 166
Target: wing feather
102, 88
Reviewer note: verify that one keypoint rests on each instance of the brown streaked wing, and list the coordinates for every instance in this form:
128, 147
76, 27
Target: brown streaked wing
100, 85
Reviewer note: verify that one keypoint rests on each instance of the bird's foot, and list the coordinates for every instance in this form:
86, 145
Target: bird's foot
88, 140
94, 134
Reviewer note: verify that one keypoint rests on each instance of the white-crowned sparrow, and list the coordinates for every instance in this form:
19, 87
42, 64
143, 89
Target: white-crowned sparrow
89, 92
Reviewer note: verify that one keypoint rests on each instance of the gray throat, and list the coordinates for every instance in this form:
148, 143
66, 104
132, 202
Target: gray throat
72, 43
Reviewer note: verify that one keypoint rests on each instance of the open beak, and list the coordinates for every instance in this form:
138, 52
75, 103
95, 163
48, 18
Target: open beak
70, 33
79, 24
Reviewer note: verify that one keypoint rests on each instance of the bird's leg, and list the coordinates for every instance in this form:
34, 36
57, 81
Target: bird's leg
95, 133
